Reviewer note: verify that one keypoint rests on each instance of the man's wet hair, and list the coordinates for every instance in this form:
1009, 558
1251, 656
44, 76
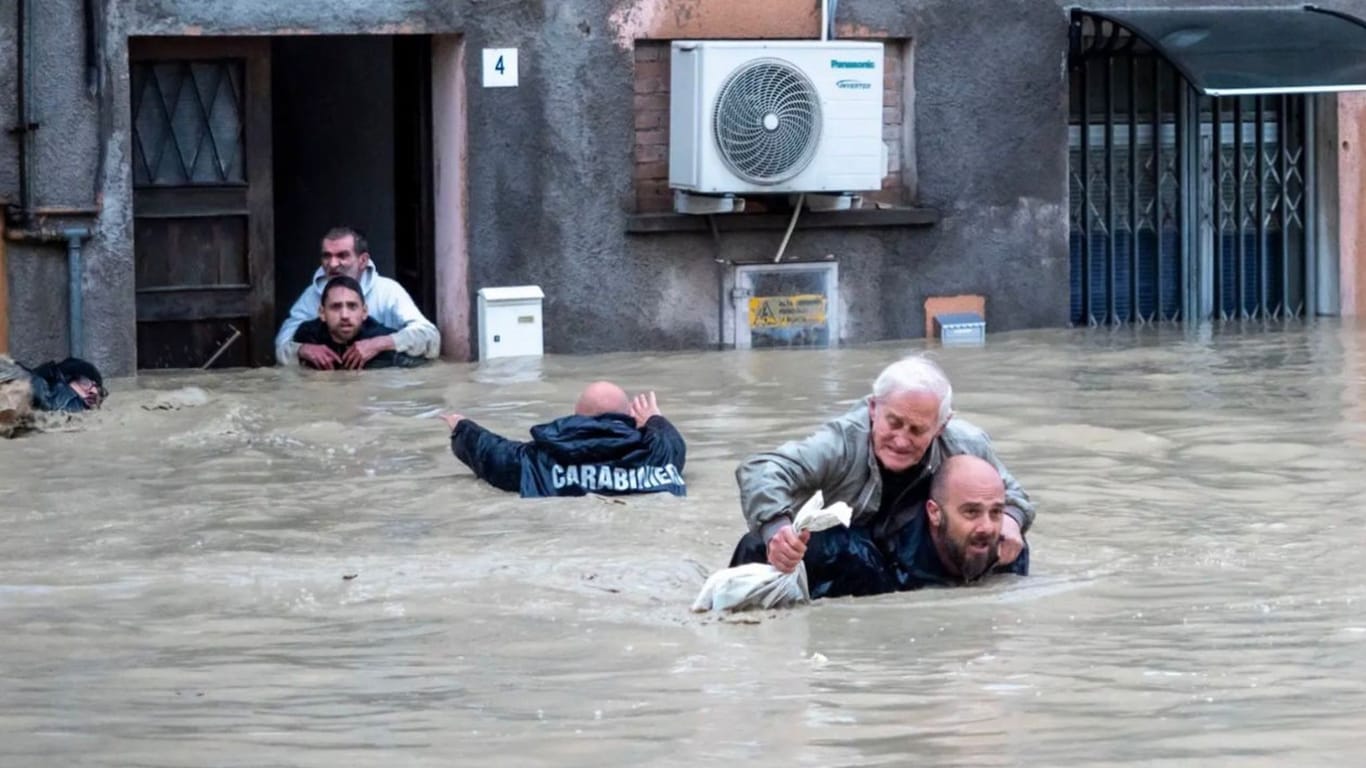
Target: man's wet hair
916, 373
69, 370
357, 237
342, 281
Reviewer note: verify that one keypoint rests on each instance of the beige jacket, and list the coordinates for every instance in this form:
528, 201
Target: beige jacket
838, 460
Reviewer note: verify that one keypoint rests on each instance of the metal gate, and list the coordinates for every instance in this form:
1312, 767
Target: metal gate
1183, 206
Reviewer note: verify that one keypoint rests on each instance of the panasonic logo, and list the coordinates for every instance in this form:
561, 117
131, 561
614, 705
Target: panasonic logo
853, 85
837, 64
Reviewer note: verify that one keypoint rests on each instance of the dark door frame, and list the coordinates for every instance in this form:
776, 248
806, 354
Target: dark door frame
414, 235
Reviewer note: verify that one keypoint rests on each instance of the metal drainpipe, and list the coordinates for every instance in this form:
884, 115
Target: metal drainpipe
75, 269
27, 125
74, 237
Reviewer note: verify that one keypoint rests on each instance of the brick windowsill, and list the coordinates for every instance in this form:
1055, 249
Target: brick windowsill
668, 223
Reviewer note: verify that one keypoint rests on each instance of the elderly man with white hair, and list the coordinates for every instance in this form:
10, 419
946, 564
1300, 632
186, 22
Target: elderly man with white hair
879, 458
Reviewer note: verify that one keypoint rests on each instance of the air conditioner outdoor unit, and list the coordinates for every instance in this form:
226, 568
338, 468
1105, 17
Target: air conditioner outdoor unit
775, 116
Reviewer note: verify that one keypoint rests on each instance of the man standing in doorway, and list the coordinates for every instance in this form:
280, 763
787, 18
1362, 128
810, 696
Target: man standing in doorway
344, 323
345, 253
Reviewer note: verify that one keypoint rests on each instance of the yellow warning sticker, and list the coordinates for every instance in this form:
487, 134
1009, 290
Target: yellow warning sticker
785, 311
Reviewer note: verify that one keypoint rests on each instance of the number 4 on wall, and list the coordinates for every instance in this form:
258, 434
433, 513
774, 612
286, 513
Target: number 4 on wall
500, 67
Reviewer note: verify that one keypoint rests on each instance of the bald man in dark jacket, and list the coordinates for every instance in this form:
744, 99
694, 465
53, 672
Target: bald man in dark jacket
612, 445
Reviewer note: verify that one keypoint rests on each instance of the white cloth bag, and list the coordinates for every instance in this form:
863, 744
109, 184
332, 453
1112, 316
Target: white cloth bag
760, 585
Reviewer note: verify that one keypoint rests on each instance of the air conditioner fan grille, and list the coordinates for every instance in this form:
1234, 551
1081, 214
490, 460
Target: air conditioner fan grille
767, 121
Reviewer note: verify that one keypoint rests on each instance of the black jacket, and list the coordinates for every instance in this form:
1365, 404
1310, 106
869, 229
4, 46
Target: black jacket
915, 561
315, 332
51, 384
576, 455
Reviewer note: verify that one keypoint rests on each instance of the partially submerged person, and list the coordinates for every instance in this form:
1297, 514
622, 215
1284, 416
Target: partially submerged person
612, 445
950, 539
344, 322
71, 386
880, 459
346, 253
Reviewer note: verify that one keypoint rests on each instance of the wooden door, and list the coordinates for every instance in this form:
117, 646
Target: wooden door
203, 220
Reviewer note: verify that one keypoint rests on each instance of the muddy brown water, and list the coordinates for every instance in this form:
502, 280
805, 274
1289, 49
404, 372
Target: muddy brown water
173, 583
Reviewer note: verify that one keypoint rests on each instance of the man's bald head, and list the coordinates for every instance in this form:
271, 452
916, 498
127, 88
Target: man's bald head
967, 502
965, 471
602, 397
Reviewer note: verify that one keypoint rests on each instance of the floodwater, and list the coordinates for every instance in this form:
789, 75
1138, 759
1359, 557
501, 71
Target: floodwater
174, 591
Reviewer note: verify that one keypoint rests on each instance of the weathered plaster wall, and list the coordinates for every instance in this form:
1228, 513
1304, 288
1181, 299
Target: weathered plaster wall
550, 162
990, 130
69, 175
9, 108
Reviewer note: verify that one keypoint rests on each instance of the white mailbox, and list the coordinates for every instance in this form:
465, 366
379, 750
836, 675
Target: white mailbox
510, 321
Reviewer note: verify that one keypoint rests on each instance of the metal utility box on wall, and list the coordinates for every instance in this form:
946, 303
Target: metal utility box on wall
510, 323
961, 329
786, 305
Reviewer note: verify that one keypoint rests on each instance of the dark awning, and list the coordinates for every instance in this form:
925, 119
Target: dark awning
1244, 51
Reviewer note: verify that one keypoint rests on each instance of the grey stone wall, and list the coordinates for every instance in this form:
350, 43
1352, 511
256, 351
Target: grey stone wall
550, 169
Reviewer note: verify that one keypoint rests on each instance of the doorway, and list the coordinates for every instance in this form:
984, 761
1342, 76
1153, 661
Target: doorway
246, 150
352, 132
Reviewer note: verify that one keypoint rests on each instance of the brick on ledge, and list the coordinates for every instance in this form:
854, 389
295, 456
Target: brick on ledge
651, 118
644, 102
651, 203
652, 171
652, 153
648, 69
886, 197
648, 85
648, 138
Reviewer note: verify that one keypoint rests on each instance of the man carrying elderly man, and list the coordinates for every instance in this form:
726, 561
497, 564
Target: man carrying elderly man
891, 459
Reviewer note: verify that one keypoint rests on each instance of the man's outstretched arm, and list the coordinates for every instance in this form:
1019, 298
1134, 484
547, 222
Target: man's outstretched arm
493, 458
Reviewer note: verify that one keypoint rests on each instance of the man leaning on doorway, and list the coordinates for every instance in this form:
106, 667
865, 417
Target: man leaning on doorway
346, 253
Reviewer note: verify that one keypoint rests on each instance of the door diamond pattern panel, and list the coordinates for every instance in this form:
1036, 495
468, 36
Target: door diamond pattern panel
187, 123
